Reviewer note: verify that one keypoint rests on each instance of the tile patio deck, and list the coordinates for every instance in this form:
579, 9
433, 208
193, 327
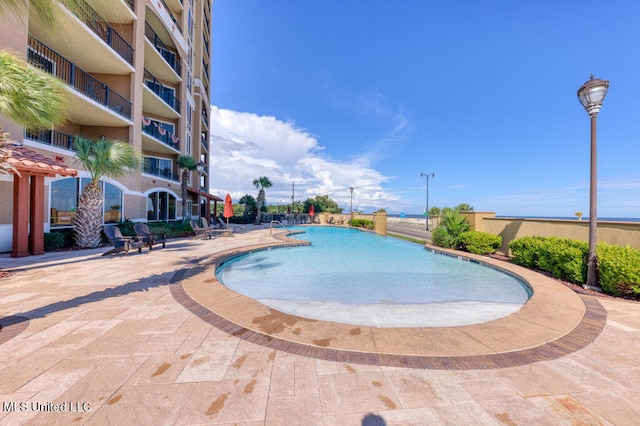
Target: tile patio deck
135, 340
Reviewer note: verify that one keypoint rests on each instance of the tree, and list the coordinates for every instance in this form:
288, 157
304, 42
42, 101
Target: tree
45, 11
30, 98
435, 211
322, 203
261, 183
249, 204
187, 164
452, 224
101, 158
463, 207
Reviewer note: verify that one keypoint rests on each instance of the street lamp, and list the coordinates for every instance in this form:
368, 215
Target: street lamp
426, 211
200, 166
351, 205
591, 95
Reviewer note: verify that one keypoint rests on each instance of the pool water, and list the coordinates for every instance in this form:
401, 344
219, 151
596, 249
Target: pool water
362, 278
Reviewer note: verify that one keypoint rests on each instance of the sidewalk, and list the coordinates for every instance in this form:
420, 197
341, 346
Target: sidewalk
105, 339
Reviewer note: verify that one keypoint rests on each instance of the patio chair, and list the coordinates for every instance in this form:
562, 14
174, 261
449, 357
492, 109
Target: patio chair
200, 231
144, 234
211, 229
120, 242
232, 228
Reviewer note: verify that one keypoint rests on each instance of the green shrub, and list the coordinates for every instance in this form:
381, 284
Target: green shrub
562, 257
479, 242
447, 233
618, 269
53, 241
362, 223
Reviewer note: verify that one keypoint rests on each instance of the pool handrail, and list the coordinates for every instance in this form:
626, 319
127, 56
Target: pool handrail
271, 226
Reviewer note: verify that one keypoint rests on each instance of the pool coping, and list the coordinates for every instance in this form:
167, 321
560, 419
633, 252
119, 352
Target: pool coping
554, 322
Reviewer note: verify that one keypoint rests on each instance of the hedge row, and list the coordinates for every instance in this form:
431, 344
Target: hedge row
618, 267
479, 242
562, 257
362, 223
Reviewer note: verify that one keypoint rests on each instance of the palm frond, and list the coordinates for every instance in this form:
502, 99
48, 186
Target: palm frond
107, 158
28, 96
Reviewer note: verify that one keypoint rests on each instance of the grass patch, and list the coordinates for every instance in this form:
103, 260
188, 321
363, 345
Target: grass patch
410, 239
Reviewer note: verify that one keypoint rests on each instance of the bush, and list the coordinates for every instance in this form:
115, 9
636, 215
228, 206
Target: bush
479, 242
618, 269
447, 233
53, 241
562, 257
362, 223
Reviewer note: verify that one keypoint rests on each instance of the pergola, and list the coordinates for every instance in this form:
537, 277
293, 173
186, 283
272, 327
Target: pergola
28, 197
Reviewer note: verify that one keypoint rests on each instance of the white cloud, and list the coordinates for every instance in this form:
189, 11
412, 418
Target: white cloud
245, 146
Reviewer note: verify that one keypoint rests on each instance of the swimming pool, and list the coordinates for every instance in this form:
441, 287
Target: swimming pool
361, 278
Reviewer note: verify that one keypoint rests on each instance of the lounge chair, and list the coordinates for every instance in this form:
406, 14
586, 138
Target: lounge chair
120, 242
212, 229
200, 231
232, 228
144, 234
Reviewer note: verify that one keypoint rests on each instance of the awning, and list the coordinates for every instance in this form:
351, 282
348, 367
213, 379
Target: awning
211, 197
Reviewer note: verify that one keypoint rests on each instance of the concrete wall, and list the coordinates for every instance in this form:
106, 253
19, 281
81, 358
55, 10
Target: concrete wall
618, 233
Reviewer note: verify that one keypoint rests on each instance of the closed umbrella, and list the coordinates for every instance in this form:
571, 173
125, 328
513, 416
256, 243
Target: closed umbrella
312, 210
228, 208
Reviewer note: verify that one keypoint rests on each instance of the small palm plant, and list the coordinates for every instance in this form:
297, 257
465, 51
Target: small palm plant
101, 158
187, 164
452, 224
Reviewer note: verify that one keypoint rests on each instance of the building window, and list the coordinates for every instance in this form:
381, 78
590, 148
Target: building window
65, 194
161, 206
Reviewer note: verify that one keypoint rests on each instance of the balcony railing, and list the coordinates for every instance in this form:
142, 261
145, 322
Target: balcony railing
165, 93
175, 21
170, 56
156, 130
132, 5
51, 137
163, 173
103, 30
41, 56
205, 116
203, 141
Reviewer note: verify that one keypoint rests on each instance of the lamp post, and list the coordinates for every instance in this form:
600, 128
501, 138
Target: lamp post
426, 211
591, 95
200, 166
351, 205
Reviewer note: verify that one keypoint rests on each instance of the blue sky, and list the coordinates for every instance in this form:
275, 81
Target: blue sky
370, 94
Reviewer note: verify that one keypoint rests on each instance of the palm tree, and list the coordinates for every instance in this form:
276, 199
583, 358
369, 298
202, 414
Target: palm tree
44, 11
249, 203
464, 207
187, 164
30, 98
452, 224
101, 158
262, 183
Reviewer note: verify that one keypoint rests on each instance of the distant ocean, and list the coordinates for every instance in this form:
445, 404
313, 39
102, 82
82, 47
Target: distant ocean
584, 218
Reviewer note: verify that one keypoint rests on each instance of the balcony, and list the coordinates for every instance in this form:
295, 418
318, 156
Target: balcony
90, 42
162, 173
158, 98
173, 18
51, 137
163, 61
203, 142
99, 105
205, 117
156, 138
174, 5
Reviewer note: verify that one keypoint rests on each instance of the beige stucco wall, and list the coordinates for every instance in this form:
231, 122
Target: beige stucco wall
618, 233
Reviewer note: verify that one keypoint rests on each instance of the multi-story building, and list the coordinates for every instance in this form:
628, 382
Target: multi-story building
136, 71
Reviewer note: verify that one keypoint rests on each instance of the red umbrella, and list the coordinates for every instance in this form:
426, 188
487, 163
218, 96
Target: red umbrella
228, 208
312, 210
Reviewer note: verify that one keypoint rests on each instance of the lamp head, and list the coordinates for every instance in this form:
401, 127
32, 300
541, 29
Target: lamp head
592, 94
200, 167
